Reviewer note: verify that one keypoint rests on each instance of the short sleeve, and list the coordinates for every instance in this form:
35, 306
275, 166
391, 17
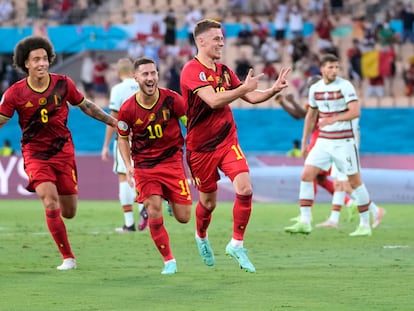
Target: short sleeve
123, 125
180, 107
75, 97
349, 92
193, 78
311, 98
6, 105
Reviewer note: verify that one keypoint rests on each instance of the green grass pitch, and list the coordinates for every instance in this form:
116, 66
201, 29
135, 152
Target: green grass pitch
326, 270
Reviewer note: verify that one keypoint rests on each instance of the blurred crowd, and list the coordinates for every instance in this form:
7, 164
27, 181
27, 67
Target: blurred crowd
271, 35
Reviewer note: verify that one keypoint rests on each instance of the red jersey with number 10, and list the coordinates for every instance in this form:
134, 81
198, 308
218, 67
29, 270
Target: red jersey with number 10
43, 115
156, 131
207, 128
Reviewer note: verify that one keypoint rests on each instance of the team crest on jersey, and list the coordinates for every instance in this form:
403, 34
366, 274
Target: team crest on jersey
42, 101
152, 117
28, 104
122, 126
202, 76
218, 80
210, 78
139, 121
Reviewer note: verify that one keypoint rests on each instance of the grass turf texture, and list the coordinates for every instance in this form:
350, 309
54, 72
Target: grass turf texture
326, 270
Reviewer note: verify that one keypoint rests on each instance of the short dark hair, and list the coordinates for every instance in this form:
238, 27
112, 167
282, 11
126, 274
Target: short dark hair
142, 61
205, 25
26, 45
329, 58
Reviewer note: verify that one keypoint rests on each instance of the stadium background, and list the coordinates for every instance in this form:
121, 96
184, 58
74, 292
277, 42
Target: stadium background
266, 132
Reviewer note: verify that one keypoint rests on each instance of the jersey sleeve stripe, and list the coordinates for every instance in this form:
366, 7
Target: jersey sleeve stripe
5, 117
82, 101
200, 87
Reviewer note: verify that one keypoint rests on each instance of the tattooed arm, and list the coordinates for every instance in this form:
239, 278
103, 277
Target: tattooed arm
97, 113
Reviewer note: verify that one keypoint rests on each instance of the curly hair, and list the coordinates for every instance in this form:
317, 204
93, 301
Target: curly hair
25, 46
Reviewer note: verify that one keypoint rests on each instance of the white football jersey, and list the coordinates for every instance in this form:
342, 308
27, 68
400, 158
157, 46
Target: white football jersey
121, 92
331, 99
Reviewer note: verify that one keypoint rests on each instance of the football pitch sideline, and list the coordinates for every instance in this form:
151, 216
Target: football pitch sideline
326, 270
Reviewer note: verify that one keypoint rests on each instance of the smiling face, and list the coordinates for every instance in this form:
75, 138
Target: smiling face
37, 64
211, 42
146, 76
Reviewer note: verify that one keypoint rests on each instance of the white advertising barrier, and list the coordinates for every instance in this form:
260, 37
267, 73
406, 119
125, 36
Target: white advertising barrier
271, 183
281, 184
96, 179
13, 178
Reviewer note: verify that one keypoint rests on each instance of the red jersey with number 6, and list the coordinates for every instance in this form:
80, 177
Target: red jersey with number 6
43, 116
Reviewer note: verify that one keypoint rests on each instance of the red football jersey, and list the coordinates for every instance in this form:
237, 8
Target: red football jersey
43, 115
157, 135
206, 127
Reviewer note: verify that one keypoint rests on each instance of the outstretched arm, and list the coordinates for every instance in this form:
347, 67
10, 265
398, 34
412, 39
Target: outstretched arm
96, 112
258, 96
220, 99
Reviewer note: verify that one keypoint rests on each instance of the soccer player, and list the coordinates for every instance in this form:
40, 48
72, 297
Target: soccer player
41, 102
291, 106
340, 189
119, 93
334, 102
151, 117
209, 87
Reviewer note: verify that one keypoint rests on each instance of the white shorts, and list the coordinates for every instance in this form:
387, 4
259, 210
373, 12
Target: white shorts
341, 152
335, 174
119, 165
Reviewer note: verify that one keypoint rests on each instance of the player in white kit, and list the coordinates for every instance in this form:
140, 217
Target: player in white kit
342, 188
334, 100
